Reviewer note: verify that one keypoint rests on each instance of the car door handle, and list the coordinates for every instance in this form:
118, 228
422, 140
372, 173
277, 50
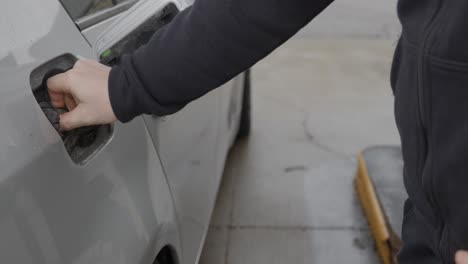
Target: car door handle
80, 143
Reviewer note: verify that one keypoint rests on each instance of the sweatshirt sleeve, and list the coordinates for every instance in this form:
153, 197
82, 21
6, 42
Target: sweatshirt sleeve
205, 46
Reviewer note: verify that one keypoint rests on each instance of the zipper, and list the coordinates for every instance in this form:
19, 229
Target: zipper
422, 100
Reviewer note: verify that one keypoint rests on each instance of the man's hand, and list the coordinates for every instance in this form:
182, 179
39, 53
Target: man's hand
84, 91
461, 257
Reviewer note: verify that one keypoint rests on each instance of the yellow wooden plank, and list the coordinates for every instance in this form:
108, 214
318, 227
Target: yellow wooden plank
373, 211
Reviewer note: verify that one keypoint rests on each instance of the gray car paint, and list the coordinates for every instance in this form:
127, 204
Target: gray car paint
189, 143
193, 145
118, 208
51, 210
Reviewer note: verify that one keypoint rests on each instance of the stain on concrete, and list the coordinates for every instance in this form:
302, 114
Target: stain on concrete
359, 244
295, 168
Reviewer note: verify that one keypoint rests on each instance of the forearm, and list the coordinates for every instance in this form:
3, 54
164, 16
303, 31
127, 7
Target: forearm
205, 46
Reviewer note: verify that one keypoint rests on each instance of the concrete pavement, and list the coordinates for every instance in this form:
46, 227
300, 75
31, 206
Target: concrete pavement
374, 19
287, 194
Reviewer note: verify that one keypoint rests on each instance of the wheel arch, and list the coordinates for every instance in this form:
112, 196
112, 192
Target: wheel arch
167, 255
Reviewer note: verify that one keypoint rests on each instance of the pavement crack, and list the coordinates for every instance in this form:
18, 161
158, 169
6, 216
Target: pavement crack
319, 145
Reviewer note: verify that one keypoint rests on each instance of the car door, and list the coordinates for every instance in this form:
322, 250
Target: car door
187, 143
100, 199
193, 145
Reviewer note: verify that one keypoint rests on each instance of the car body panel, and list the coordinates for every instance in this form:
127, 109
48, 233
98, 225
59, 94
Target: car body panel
193, 145
186, 142
153, 185
52, 210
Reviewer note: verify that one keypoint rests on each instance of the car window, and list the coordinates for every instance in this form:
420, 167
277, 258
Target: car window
82, 8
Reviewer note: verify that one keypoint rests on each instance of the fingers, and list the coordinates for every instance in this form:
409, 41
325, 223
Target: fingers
70, 102
73, 119
83, 90
58, 85
461, 257
57, 99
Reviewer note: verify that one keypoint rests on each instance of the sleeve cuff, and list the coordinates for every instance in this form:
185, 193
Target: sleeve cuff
120, 95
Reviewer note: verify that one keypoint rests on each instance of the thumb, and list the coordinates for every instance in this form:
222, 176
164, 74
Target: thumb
73, 119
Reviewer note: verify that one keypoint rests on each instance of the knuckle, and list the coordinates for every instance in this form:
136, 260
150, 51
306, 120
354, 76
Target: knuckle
78, 64
68, 75
50, 82
66, 81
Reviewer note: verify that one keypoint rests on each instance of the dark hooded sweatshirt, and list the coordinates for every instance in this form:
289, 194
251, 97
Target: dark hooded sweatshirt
214, 40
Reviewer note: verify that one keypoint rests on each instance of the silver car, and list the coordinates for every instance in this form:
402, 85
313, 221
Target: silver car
141, 192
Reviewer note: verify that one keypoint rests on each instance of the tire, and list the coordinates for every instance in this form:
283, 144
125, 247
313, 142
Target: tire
245, 116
